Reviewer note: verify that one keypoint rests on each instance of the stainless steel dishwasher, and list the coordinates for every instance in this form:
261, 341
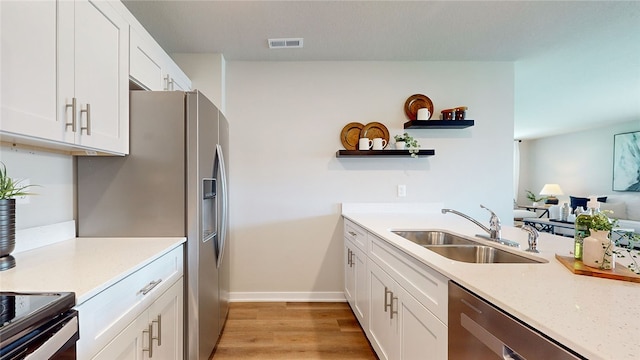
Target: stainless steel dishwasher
479, 330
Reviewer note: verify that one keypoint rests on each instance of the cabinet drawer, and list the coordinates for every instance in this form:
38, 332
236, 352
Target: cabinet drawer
105, 315
428, 286
355, 234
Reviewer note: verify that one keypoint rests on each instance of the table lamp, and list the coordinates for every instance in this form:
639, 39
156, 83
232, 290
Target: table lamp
550, 190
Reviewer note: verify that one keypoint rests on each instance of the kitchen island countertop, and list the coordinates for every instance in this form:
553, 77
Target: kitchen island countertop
85, 266
597, 318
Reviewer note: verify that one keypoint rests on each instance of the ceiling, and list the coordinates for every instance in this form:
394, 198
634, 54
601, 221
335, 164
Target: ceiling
555, 45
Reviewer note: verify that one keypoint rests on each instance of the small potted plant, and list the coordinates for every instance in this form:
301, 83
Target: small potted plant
406, 141
9, 189
598, 249
533, 198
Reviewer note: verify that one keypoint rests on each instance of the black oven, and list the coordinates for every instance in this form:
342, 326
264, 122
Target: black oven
38, 326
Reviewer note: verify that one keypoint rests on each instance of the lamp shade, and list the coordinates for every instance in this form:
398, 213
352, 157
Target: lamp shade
551, 189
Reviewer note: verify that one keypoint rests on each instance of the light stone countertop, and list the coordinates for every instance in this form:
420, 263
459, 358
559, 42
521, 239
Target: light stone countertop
597, 318
85, 266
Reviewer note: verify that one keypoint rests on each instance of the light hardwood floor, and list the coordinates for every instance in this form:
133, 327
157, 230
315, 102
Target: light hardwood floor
292, 330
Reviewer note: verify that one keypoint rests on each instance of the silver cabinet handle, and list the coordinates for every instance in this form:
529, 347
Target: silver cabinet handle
386, 303
88, 112
166, 82
159, 322
391, 305
352, 233
149, 332
351, 259
73, 114
145, 290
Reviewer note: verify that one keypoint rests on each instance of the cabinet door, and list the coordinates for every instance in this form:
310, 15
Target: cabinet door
349, 276
28, 65
419, 331
101, 40
144, 64
166, 316
361, 293
382, 325
130, 343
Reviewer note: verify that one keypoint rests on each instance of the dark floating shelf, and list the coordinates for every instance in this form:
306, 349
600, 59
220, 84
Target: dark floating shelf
438, 124
382, 153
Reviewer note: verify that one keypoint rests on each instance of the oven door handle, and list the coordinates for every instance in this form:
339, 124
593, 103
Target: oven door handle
57, 341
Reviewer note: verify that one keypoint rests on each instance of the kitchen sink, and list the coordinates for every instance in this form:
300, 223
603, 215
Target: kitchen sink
479, 254
434, 237
458, 248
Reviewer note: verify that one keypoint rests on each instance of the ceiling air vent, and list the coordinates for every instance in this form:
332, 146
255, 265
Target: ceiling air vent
289, 43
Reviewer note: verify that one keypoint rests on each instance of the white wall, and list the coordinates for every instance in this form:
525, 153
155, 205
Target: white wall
580, 162
287, 185
53, 173
207, 74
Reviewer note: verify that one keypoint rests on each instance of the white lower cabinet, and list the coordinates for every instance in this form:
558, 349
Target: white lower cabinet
157, 333
139, 316
420, 334
382, 325
405, 316
355, 281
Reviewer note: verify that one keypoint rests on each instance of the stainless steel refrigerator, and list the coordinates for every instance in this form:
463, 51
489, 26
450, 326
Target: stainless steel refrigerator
173, 183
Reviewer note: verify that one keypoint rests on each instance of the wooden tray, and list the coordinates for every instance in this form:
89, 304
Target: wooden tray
618, 273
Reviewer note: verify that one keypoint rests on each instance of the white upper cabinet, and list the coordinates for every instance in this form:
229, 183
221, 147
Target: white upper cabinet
145, 66
64, 75
28, 66
94, 59
150, 66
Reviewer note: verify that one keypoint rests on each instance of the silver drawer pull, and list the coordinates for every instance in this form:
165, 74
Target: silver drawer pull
352, 233
73, 114
386, 303
88, 113
150, 337
145, 290
391, 306
159, 322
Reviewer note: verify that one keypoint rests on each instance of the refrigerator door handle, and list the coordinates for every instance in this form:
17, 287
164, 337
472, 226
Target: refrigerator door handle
222, 234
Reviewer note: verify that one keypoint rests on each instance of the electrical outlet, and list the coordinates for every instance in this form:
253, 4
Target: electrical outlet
402, 190
24, 199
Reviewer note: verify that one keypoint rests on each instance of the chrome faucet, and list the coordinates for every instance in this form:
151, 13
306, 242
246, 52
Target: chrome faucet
494, 229
532, 237
494, 222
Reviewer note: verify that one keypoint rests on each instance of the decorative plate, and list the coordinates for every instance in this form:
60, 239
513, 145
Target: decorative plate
415, 102
375, 130
350, 135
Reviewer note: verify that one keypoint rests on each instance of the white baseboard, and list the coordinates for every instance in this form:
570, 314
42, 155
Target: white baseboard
287, 296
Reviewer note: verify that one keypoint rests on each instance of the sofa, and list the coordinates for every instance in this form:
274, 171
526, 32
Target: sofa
626, 208
623, 206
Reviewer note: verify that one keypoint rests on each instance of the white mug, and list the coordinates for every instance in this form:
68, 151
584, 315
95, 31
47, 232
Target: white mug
379, 143
423, 114
364, 144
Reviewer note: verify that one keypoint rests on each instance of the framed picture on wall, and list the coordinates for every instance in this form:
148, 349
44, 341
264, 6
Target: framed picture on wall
626, 161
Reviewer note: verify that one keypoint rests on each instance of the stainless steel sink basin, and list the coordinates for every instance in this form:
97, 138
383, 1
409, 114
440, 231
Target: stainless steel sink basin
460, 248
479, 254
434, 237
